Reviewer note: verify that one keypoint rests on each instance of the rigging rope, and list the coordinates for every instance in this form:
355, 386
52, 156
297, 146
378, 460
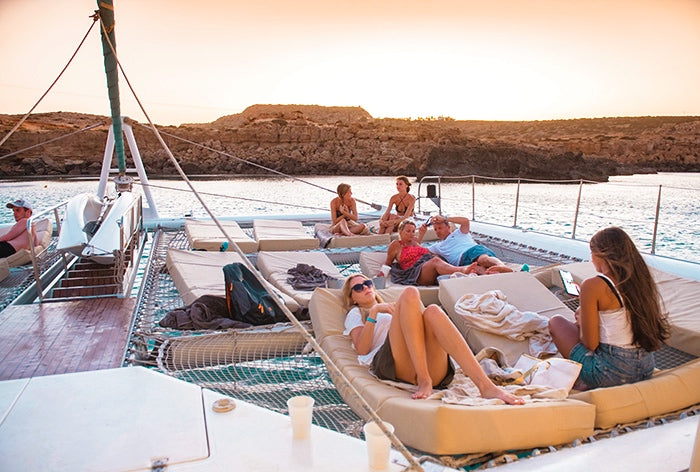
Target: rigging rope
260, 166
413, 464
51, 140
94, 19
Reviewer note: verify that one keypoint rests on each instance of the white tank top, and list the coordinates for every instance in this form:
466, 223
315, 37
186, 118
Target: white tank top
615, 327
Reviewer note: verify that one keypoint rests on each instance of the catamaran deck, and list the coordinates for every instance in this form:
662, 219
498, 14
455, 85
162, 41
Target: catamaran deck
64, 337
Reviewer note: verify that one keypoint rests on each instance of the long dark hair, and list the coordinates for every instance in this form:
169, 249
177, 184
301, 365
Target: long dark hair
637, 288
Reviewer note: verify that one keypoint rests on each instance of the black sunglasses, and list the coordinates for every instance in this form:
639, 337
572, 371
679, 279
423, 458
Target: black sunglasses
360, 287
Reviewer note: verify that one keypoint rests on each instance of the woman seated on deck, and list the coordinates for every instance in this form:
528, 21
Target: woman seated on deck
344, 213
403, 202
415, 264
619, 320
401, 341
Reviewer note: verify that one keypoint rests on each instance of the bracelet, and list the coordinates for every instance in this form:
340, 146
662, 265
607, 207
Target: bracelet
371, 320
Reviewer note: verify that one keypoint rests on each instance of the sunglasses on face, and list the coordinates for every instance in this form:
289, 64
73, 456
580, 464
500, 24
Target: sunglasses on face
360, 287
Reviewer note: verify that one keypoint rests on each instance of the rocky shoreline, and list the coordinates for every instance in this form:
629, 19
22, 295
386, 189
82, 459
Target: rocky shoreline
314, 140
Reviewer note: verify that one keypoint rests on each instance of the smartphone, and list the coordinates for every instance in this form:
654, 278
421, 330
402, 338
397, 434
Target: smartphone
569, 286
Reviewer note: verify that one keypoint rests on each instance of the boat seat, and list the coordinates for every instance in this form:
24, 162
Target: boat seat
4, 269
371, 263
43, 229
282, 235
521, 289
323, 233
197, 273
274, 266
431, 425
206, 235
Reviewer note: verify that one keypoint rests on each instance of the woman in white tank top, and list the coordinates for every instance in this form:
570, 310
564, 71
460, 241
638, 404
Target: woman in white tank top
619, 322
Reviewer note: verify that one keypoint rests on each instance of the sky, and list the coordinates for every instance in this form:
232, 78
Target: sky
194, 61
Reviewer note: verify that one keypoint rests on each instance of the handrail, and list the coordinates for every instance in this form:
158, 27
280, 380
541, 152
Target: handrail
472, 179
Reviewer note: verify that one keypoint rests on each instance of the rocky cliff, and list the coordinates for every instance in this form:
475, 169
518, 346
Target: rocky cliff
314, 140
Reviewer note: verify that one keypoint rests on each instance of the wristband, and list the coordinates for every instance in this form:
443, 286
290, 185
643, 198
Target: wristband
371, 320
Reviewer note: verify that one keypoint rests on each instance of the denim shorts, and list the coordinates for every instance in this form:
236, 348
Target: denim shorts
473, 253
384, 368
612, 365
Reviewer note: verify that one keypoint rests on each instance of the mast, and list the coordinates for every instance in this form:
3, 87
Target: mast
106, 11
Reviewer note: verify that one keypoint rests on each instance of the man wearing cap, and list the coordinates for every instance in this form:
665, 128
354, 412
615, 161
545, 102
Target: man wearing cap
17, 238
459, 248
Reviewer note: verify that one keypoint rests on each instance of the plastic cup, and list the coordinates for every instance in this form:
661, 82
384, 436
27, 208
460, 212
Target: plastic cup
300, 413
378, 445
385, 270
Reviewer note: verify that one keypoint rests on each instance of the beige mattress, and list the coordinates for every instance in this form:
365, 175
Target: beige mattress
275, 264
681, 298
431, 425
521, 289
338, 240
371, 263
282, 235
666, 392
197, 273
205, 235
43, 229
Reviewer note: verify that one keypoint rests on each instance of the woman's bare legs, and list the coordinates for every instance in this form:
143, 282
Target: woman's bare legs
430, 270
565, 334
420, 342
342, 228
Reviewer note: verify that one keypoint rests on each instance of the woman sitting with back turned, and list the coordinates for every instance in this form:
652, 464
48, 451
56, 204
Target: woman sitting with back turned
416, 265
344, 213
619, 321
403, 202
403, 342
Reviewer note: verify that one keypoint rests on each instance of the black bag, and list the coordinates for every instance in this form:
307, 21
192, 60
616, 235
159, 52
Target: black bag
247, 299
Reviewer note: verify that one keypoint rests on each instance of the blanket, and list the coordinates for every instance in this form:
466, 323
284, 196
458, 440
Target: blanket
491, 312
306, 277
206, 312
323, 234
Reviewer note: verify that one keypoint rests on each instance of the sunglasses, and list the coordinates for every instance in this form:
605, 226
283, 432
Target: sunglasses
360, 287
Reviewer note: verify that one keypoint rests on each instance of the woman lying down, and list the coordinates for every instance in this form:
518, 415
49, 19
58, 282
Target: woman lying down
402, 342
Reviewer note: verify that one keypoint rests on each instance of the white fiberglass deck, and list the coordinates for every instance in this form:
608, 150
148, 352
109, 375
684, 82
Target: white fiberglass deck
129, 418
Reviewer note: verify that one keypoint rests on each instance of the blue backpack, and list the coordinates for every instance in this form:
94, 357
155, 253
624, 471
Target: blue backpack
247, 299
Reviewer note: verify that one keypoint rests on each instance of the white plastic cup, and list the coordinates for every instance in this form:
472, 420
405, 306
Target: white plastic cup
300, 413
378, 445
385, 270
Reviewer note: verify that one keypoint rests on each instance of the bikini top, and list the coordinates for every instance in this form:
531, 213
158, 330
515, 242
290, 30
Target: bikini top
401, 202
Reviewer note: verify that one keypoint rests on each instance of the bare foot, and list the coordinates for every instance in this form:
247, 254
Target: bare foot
424, 391
495, 392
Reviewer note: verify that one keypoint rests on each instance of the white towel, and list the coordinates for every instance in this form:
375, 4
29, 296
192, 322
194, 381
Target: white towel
491, 312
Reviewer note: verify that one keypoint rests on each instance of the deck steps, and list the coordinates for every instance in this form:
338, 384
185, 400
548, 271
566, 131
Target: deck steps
89, 279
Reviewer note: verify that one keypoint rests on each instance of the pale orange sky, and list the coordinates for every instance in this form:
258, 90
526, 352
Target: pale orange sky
194, 61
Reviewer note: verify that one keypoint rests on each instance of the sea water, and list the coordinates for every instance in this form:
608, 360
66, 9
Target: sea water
626, 201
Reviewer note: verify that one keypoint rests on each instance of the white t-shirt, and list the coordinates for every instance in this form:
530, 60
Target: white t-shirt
354, 320
453, 246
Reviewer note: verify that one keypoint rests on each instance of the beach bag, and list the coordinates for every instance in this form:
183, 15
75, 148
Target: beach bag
555, 372
247, 299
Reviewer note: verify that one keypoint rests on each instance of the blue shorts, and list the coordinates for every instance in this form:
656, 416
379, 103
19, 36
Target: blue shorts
473, 253
612, 365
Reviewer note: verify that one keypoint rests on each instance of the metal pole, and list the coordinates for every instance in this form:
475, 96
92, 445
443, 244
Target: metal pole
473, 203
517, 200
578, 205
656, 222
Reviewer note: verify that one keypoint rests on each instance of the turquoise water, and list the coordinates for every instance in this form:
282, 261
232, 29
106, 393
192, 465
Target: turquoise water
626, 201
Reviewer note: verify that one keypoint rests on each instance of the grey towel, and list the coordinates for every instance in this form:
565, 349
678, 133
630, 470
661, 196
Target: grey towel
306, 277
